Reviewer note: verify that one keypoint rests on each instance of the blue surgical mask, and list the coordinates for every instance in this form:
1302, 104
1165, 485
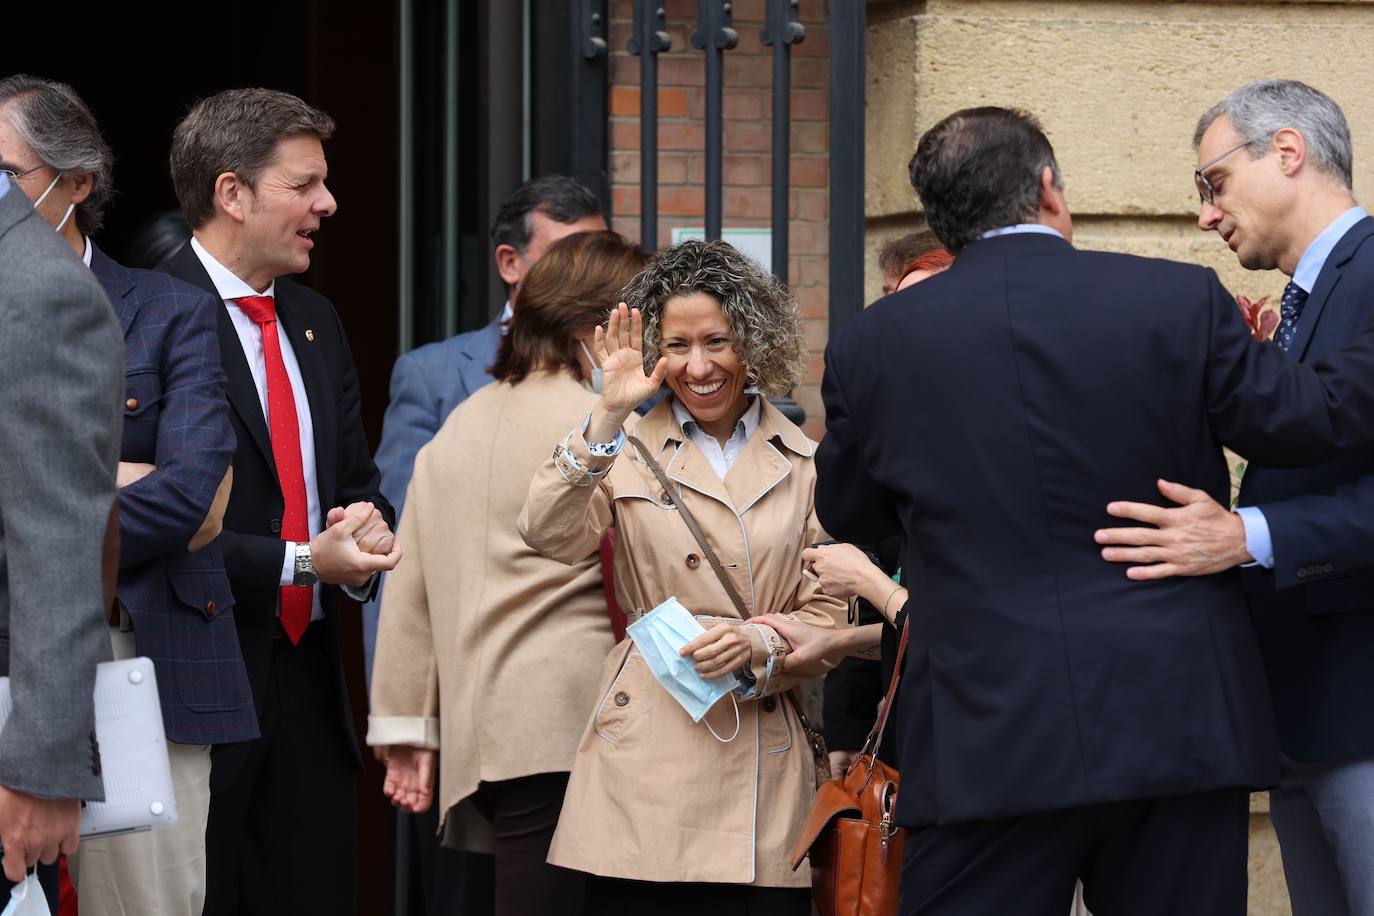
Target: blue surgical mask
44, 196
660, 635
596, 370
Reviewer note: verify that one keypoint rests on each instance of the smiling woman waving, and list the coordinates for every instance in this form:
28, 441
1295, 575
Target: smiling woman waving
671, 814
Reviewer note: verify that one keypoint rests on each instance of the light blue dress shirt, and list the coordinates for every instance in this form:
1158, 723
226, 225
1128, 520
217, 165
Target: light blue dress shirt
4, 185
1258, 540
1021, 228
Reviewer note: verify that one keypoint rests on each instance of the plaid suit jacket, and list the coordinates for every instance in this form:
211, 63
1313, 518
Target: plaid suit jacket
177, 418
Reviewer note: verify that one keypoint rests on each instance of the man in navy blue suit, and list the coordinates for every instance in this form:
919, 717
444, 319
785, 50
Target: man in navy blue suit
174, 604
1058, 720
1274, 179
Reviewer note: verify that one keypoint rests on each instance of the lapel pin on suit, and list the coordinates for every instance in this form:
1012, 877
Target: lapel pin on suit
310, 335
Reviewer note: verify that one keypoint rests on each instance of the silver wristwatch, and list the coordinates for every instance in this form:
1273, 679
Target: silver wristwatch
305, 567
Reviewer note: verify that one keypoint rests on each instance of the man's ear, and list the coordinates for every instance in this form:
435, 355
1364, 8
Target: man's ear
1051, 198
1292, 150
82, 185
508, 263
231, 195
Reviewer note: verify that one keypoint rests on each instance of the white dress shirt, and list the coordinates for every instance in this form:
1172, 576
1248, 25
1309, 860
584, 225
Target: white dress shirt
230, 287
722, 458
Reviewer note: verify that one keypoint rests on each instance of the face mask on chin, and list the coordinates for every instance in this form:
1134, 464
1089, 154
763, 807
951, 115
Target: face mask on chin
44, 196
660, 635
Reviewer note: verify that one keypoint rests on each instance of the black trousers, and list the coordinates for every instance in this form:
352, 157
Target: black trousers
523, 814
444, 881
282, 834
1181, 855
618, 897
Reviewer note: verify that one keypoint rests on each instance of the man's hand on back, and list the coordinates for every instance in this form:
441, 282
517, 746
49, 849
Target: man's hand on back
35, 830
1198, 538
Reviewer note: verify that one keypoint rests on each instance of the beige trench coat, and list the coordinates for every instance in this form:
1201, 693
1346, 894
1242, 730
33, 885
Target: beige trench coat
653, 796
487, 649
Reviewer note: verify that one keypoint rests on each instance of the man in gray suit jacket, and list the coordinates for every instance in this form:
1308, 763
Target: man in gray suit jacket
61, 368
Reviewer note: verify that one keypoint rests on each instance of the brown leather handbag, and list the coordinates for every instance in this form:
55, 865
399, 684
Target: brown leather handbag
855, 849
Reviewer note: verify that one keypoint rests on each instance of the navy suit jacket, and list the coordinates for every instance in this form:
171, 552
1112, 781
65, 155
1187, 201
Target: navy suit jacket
176, 417
989, 415
1315, 610
344, 473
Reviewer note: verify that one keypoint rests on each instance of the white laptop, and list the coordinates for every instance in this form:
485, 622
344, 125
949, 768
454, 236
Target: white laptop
133, 750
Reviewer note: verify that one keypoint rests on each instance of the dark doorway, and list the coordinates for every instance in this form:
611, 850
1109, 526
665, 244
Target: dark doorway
139, 67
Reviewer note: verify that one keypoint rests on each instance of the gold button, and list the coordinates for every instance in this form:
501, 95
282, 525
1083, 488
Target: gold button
693, 561
210, 607
131, 404
622, 698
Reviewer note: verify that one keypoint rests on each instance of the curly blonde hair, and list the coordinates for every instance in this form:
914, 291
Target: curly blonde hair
765, 324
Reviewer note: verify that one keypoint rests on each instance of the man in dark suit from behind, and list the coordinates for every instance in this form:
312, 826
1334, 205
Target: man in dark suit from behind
306, 515
61, 363
1059, 721
1274, 164
174, 603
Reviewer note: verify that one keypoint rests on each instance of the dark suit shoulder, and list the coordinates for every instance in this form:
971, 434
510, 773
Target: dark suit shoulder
302, 297
155, 288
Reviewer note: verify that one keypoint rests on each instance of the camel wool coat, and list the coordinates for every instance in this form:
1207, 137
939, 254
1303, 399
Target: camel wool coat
653, 796
486, 649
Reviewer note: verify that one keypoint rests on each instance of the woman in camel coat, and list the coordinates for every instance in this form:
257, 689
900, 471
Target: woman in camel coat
486, 649
672, 816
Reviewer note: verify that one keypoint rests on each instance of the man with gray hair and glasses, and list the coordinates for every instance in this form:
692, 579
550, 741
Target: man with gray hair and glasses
1274, 181
173, 599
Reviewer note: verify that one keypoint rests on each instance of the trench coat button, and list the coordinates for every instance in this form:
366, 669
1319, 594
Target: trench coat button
622, 698
769, 704
131, 404
693, 561
275, 525
210, 608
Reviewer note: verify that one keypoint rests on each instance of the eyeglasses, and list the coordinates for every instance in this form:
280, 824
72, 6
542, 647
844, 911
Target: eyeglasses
12, 175
1206, 194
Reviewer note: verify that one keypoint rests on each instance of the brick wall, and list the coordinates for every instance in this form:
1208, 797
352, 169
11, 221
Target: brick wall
747, 166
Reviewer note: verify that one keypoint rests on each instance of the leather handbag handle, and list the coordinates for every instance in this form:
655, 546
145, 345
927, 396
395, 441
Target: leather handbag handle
875, 734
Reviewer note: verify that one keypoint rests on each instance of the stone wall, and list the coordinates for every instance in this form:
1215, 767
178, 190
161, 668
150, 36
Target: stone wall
1118, 87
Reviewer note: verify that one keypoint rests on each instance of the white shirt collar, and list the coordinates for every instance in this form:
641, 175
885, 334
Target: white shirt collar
506, 313
1314, 258
745, 427
228, 284
86, 257
1021, 228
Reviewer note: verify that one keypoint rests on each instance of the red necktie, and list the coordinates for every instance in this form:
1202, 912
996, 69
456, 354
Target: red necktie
286, 452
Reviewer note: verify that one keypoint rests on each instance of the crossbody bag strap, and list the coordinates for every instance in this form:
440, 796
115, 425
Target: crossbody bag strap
692, 526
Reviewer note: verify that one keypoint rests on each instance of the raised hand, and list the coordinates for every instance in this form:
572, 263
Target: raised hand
620, 351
